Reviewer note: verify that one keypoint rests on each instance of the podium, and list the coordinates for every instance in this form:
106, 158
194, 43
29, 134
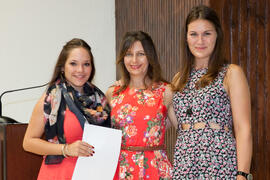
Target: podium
15, 163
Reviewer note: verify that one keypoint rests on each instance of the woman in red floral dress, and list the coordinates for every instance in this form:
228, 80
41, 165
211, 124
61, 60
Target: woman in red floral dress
139, 108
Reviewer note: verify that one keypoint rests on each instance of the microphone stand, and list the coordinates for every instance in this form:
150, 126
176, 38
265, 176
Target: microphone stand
4, 119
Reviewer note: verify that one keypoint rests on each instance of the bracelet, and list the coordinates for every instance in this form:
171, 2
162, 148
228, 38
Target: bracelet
66, 150
63, 150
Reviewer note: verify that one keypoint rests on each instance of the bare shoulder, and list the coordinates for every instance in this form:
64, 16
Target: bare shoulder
37, 114
38, 108
40, 102
168, 90
37, 122
109, 93
234, 71
235, 78
168, 95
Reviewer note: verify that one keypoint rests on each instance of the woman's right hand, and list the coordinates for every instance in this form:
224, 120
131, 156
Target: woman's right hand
118, 83
79, 148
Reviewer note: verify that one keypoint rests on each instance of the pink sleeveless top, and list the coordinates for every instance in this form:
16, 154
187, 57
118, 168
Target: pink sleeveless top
64, 170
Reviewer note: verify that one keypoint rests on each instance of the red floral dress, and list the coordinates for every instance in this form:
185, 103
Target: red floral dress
141, 114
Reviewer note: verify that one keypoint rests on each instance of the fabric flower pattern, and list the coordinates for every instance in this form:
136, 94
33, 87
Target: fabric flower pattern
140, 161
141, 114
205, 153
125, 171
145, 97
130, 130
124, 120
117, 100
153, 131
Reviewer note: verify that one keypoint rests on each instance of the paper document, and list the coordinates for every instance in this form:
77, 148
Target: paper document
102, 165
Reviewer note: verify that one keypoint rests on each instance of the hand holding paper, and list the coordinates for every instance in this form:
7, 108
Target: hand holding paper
102, 165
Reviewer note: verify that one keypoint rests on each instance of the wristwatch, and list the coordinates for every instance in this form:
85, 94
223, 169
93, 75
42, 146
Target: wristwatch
248, 176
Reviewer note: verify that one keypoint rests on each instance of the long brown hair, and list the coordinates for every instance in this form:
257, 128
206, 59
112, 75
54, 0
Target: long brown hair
216, 60
154, 69
63, 56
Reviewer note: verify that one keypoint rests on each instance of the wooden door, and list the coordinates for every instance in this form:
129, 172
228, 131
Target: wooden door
246, 25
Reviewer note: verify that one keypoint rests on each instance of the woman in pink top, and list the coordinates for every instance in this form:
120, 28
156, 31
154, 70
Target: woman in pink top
55, 116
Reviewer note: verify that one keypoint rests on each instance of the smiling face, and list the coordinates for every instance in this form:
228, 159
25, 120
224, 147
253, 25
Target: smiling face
78, 68
136, 61
201, 39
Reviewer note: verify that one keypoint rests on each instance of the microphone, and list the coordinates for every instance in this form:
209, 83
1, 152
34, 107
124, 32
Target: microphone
4, 119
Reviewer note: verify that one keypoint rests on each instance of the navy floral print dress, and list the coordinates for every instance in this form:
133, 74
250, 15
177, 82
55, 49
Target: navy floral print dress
204, 153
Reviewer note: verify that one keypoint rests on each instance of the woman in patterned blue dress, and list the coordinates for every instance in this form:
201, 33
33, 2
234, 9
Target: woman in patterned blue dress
211, 101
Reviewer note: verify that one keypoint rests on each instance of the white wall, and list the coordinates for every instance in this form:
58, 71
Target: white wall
32, 33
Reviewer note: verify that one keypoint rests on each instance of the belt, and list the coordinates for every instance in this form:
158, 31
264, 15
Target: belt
143, 148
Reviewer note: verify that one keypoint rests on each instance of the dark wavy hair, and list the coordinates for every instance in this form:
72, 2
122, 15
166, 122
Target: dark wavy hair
63, 56
216, 60
154, 69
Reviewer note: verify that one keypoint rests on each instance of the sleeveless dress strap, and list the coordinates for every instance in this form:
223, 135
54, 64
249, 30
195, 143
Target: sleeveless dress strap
223, 71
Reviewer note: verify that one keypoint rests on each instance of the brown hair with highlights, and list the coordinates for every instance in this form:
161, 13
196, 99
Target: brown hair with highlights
154, 69
216, 60
63, 56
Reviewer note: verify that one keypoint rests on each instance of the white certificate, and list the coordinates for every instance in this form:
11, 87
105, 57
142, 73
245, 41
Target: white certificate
102, 165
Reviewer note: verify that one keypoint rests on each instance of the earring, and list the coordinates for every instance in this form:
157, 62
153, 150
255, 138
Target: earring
62, 76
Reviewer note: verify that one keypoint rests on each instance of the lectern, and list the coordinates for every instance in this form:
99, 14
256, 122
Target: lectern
15, 163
